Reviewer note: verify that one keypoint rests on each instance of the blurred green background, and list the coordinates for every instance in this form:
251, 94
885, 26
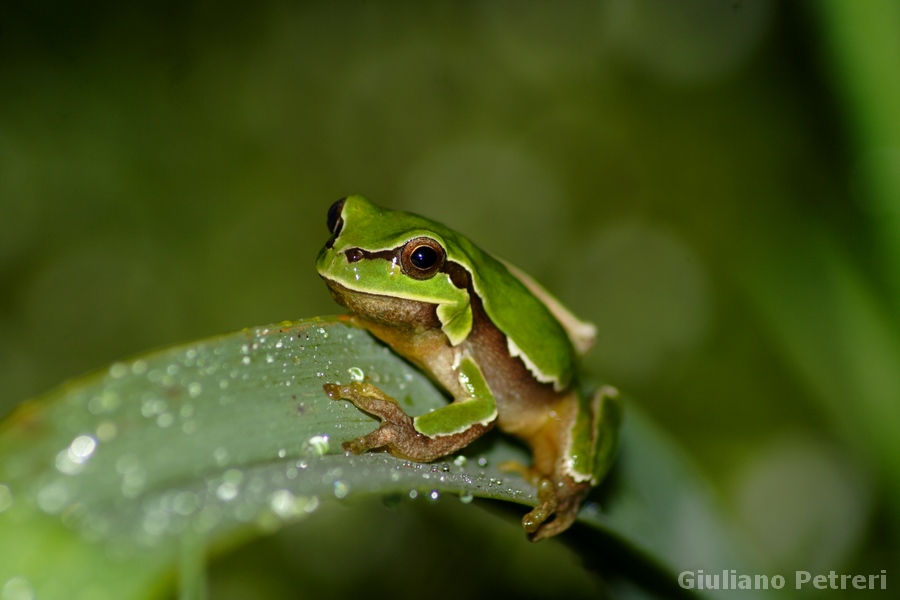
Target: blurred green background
715, 184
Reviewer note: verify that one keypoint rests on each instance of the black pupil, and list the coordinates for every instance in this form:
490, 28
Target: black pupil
424, 257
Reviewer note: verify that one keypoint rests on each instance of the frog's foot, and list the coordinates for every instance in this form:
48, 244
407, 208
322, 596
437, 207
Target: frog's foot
397, 432
557, 508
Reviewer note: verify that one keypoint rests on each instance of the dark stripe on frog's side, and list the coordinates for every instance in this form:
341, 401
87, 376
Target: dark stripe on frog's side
516, 391
459, 276
357, 254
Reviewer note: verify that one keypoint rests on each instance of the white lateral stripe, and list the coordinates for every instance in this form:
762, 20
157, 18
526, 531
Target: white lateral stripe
515, 351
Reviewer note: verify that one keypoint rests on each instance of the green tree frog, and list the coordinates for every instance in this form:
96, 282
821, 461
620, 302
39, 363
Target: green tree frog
498, 343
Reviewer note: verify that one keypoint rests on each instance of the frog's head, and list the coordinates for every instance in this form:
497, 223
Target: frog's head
392, 266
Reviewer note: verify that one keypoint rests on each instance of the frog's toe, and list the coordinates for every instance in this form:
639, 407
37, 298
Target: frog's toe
354, 446
384, 436
545, 510
333, 391
550, 518
562, 520
533, 520
558, 508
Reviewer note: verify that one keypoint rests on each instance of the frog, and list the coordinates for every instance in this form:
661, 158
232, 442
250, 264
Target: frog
502, 348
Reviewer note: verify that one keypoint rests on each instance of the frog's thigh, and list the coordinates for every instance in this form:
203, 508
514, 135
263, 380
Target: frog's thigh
607, 410
592, 439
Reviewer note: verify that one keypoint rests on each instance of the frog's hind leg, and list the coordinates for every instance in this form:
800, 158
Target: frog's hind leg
577, 466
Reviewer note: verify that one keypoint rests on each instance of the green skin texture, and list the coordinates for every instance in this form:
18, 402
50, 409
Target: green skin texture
534, 335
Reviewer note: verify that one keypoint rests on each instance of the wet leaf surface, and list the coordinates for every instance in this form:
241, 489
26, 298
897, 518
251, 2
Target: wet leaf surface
103, 481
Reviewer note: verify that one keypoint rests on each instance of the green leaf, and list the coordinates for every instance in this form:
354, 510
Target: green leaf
862, 46
107, 480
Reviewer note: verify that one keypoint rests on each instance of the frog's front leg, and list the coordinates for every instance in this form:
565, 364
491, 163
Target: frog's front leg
429, 436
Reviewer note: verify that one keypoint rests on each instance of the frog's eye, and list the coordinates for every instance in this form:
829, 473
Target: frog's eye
335, 222
422, 257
